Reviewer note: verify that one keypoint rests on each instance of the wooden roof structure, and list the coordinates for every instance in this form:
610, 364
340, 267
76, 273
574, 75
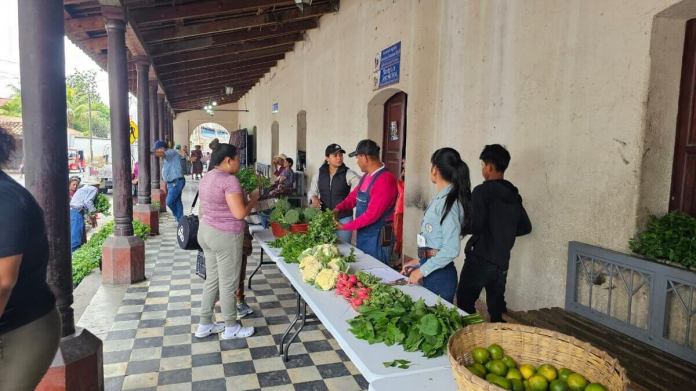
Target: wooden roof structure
198, 47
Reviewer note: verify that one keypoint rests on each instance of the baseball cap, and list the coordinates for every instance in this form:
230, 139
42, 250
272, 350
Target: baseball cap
158, 144
333, 148
366, 147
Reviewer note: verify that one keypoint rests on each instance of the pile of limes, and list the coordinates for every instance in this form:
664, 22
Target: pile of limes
496, 367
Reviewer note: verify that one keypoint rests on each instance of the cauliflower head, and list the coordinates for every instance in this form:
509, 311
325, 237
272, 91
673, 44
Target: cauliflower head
309, 260
338, 264
329, 250
310, 272
326, 279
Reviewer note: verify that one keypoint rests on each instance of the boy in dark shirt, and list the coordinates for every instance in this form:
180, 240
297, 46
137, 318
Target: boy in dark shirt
498, 218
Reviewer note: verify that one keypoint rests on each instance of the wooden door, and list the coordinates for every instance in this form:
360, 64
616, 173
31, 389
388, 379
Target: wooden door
394, 135
683, 191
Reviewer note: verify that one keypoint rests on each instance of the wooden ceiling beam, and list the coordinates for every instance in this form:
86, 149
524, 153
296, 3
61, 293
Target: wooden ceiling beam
208, 90
227, 38
216, 70
199, 9
237, 23
253, 55
83, 25
219, 79
232, 48
215, 85
95, 44
198, 103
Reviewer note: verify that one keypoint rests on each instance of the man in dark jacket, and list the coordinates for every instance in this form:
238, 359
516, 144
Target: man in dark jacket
498, 218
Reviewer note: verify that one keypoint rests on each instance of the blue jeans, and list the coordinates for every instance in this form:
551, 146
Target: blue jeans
174, 190
77, 229
345, 236
442, 282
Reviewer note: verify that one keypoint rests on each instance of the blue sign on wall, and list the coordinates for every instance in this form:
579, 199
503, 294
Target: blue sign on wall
274, 107
390, 65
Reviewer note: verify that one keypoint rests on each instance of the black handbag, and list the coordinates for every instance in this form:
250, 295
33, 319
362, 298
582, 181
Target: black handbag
187, 231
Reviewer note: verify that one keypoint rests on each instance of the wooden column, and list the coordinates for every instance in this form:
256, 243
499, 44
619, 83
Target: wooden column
42, 73
123, 259
144, 212
157, 194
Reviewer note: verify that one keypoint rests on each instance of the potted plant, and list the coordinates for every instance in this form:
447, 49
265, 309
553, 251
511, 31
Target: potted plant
668, 239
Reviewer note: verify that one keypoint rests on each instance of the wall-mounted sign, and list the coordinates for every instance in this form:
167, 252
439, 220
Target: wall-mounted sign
387, 66
274, 107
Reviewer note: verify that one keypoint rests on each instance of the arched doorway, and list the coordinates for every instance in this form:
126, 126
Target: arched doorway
204, 133
275, 130
301, 140
386, 117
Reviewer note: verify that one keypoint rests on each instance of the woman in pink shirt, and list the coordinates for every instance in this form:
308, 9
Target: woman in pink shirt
221, 235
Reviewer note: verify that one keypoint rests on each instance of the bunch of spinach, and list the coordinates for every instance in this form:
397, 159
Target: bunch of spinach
391, 317
323, 227
251, 181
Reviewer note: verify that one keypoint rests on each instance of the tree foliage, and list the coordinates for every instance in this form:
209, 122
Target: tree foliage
81, 87
13, 107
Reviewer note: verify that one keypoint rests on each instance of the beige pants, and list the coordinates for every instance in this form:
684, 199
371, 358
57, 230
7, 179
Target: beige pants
223, 261
27, 352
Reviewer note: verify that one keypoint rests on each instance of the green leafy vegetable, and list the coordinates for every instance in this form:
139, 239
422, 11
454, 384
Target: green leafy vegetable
399, 363
251, 181
322, 230
392, 317
671, 237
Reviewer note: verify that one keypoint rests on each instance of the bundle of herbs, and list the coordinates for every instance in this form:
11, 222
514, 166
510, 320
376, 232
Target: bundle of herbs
391, 317
322, 230
251, 181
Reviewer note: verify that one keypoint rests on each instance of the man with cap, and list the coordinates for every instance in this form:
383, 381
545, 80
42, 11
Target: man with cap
374, 199
172, 175
332, 185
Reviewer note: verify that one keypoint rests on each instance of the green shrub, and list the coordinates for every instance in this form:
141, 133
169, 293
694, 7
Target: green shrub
102, 204
86, 258
671, 237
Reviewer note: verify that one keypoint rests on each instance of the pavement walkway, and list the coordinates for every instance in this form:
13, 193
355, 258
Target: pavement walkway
147, 329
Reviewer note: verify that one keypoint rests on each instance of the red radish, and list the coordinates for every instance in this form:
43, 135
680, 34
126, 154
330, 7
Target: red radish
353, 279
357, 302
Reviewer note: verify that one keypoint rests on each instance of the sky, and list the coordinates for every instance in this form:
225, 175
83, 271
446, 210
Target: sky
75, 58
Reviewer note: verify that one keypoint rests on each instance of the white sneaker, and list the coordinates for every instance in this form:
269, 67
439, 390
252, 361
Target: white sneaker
205, 330
237, 331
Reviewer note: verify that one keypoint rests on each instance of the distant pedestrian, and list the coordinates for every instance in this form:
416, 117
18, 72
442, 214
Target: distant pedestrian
29, 322
81, 204
196, 162
172, 175
498, 218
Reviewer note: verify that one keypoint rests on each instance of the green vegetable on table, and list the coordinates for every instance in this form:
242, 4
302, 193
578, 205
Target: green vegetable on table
390, 316
399, 363
322, 230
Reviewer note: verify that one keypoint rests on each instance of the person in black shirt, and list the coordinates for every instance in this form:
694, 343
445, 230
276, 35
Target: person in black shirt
29, 322
498, 218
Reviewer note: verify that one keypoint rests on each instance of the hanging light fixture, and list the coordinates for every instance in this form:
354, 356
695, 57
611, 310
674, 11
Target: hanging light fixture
302, 3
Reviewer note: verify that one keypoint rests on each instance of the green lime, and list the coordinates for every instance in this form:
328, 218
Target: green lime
514, 373
576, 382
496, 351
538, 383
595, 387
548, 371
516, 384
527, 370
480, 355
477, 369
509, 362
498, 367
558, 385
499, 381
563, 374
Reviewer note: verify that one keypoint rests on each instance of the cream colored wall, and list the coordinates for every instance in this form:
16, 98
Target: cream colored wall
186, 122
563, 85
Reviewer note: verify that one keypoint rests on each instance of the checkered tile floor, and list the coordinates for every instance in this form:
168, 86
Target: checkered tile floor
151, 344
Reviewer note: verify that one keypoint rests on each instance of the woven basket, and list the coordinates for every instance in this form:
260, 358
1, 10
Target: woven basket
531, 345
